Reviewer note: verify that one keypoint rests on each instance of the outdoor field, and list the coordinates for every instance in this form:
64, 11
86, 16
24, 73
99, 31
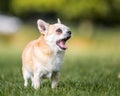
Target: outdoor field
92, 61
91, 67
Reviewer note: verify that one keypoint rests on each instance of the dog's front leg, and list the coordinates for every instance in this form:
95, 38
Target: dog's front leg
55, 79
37, 80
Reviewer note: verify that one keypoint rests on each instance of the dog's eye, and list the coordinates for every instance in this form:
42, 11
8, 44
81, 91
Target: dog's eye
59, 31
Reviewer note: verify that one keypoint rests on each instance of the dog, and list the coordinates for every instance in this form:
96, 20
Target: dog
43, 57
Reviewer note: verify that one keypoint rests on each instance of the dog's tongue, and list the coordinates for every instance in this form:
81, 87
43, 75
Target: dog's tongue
62, 44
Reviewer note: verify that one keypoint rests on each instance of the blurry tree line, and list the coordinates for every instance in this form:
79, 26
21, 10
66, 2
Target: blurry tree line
72, 10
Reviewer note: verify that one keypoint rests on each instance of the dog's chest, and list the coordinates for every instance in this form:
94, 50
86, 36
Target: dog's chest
48, 63
57, 61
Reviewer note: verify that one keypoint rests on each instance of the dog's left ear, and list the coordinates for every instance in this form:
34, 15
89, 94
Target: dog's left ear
59, 22
42, 26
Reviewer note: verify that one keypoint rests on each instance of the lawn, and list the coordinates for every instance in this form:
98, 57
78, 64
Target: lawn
91, 68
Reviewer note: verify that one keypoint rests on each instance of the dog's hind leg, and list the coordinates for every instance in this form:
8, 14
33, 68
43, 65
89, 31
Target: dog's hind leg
26, 76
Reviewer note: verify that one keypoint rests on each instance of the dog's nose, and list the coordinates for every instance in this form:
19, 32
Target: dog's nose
69, 32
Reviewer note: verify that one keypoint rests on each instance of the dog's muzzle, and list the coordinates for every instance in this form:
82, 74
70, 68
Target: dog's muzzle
61, 42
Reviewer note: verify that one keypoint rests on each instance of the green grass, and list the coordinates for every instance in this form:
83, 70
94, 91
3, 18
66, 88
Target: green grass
88, 75
92, 71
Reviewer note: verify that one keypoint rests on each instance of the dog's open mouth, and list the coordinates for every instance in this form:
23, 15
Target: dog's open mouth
61, 43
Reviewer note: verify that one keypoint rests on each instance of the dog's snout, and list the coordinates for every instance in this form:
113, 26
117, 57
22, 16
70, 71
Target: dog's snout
69, 32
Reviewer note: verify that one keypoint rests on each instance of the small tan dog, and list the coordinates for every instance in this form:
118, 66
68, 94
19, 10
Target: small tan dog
44, 57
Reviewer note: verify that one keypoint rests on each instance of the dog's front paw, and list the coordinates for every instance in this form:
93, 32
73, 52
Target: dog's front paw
37, 82
54, 84
36, 86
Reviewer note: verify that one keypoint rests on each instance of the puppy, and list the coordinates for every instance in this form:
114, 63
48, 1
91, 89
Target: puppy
44, 57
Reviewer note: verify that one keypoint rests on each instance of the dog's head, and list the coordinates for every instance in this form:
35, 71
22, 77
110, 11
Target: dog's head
55, 35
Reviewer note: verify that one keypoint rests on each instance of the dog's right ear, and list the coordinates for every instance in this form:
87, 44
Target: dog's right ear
42, 26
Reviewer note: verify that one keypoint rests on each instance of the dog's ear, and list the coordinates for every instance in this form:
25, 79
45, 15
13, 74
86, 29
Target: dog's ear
59, 22
42, 26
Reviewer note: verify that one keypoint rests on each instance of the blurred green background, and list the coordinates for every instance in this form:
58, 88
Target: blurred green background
93, 51
93, 22
74, 10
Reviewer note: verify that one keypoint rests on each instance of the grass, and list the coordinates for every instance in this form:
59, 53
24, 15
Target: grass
91, 68
81, 76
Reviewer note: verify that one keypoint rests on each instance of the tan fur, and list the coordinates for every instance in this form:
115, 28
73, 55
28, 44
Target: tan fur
42, 57
29, 52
